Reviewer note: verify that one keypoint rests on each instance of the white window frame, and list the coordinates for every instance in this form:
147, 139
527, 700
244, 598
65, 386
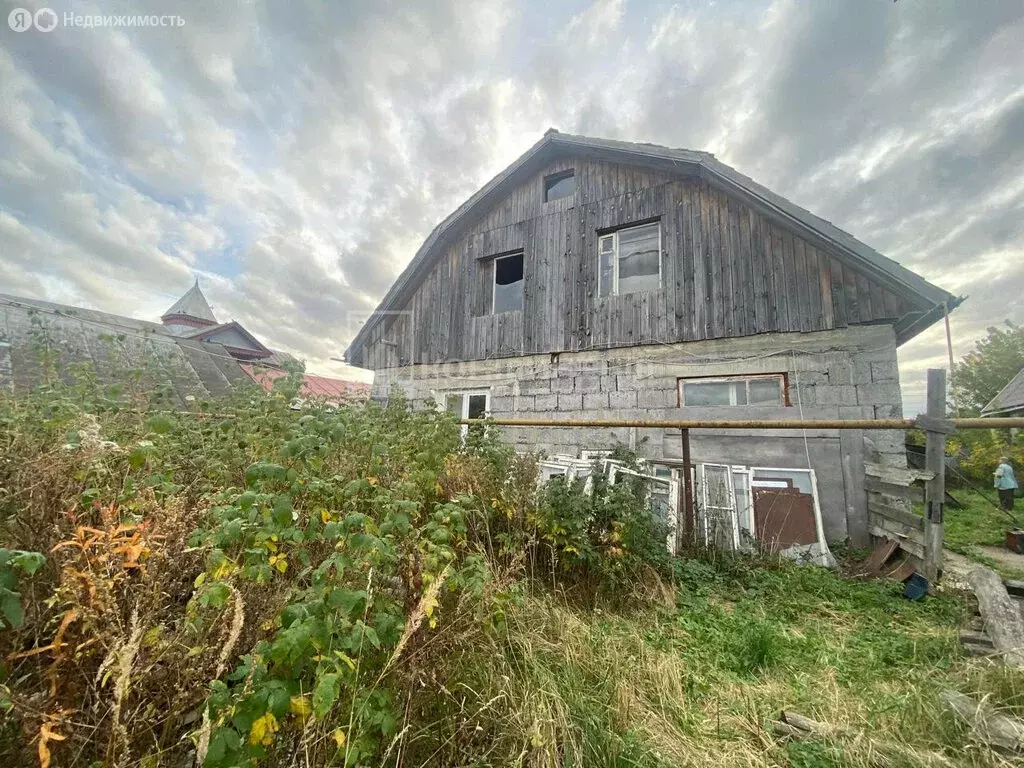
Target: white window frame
614, 237
780, 377
494, 281
441, 398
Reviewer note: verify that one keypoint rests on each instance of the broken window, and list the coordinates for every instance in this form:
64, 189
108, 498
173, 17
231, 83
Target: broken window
629, 260
751, 390
508, 283
559, 185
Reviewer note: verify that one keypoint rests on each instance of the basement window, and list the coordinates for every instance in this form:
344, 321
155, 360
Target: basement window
747, 390
508, 284
629, 260
559, 185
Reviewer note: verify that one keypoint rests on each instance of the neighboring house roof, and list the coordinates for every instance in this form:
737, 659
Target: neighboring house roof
192, 305
686, 162
316, 387
112, 344
232, 335
1010, 397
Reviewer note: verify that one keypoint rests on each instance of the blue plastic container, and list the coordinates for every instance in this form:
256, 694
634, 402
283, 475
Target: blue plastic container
916, 587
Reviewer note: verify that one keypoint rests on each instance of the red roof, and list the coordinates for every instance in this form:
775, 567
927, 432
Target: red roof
319, 387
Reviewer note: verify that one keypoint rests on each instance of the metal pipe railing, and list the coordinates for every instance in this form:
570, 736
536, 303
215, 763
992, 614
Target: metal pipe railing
993, 423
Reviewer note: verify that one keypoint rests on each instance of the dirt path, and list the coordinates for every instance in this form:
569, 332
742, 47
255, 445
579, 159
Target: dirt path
1004, 557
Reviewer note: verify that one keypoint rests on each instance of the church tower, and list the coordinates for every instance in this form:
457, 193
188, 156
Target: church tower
189, 312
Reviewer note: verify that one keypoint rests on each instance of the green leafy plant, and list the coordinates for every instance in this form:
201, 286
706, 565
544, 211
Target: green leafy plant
12, 562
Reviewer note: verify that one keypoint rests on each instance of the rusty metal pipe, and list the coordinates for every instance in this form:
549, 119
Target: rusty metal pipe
994, 423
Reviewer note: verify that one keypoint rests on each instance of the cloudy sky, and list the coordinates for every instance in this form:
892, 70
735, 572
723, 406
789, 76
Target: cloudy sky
294, 154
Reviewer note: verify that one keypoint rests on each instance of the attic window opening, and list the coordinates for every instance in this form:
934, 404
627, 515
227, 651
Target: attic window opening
559, 185
629, 260
508, 284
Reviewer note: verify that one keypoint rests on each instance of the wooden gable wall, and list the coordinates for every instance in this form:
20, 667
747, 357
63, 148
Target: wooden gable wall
727, 270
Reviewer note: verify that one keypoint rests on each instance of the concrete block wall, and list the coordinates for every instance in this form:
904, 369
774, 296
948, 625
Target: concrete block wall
847, 373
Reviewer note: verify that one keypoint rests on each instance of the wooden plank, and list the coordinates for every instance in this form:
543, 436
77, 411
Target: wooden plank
838, 293
746, 260
901, 516
911, 493
907, 544
828, 319
688, 297
897, 475
850, 291
851, 449
935, 489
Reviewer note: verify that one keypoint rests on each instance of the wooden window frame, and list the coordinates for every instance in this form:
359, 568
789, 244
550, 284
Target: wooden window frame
494, 279
603, 235
783, 379
553, 178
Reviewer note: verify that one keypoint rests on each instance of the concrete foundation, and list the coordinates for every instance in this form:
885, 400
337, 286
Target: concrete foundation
847, 373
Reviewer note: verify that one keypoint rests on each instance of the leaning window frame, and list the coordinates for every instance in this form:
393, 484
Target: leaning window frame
494, 280
614, 236
782, 378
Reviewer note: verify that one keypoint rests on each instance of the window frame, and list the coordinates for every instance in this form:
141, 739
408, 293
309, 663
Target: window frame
552, 179
442, 404
614, 236
782, 378
494, 280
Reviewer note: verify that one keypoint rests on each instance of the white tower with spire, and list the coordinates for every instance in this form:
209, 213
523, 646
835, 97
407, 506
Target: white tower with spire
189, 312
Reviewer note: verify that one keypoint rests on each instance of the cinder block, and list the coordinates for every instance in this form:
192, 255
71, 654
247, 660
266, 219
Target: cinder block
836, 395
595, 401
803, 395
502, 404
882, 393
840, 373
570, 403
622, 399
587, 384
545, 402
659, 398
609, 384
885, 372
862, 372
525, 403
563, 385
535, 386
856, 412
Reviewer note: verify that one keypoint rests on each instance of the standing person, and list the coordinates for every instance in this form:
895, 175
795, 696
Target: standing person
1006, 483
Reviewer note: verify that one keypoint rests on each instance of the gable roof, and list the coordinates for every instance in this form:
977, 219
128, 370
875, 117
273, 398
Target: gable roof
204, 334
192, 304
684, 162
1009, 398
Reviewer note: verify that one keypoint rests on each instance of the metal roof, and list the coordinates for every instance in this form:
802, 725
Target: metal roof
1009, 398
687, 163
317, 387
192, 304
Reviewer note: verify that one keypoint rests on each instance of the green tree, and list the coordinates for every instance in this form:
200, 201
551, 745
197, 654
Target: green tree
985, 370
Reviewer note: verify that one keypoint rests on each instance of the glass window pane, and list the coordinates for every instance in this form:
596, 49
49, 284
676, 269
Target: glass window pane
453, 404
606, 245
739, 389
639, 259
508, 283
477, 406
765, 392
559, 185
707, 393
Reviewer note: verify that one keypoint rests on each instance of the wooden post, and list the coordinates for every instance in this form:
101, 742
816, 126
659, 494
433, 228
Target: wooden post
691, 527
936, 427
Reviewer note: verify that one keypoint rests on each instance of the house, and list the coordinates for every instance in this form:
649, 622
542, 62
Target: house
1010, 399
607, 279
188, 349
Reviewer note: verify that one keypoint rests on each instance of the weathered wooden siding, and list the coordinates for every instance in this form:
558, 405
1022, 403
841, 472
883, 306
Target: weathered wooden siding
728, 270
